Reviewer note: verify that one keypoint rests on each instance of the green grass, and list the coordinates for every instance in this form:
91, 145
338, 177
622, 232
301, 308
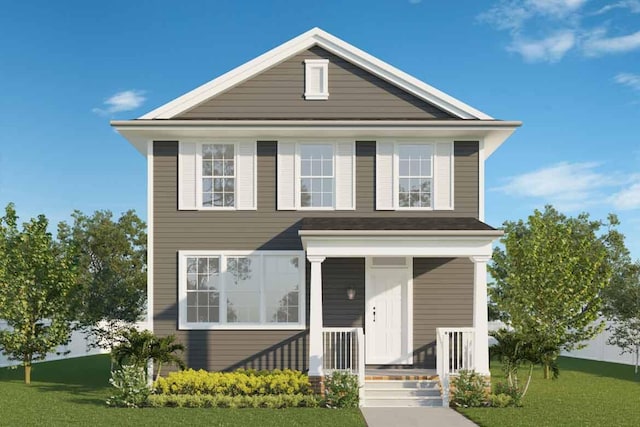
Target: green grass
73, 392
587, 393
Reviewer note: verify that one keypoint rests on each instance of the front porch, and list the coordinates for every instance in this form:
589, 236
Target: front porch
401, 333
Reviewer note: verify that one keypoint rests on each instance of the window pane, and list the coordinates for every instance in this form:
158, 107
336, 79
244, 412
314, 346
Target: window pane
316, 167
404, 200
404, 167
229, 184
228, 167
207, 168
218, 168
192, 280
282, 279
192, 299
207, 151
229, 199
305, 167
327, 167
327, 200
243, 289
192, 314
217, 199
404, 185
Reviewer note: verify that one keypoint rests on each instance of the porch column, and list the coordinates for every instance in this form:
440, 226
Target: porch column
315, 317
480, 315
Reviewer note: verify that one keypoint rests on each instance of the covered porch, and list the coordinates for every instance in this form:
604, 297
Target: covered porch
393, 250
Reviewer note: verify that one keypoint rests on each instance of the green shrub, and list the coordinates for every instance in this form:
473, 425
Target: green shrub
469, 390
131, 386
513, 391
224, 401
239, 383
500, 400
341, 390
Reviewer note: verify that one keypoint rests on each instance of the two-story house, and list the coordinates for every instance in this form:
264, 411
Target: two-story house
318, 209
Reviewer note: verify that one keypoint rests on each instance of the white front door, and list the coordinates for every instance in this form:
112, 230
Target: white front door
385, 317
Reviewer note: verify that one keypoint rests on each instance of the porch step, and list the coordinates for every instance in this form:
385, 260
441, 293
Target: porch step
401, 393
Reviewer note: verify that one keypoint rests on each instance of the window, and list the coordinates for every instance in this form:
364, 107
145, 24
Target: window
316, 176
218, 175
415, 175
236, 290
316, 79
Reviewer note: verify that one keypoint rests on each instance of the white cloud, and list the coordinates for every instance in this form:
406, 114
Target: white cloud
598, 44
549, 49
632, 6
628, 79
512, 14
568, 186
628, 198
122, 101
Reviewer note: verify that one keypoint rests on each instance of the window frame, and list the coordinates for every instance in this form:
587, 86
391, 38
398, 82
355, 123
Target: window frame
396, 175
223, 256
298, 175
323, 66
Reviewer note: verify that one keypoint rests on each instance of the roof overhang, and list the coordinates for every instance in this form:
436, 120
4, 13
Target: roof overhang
316, 37
139, 132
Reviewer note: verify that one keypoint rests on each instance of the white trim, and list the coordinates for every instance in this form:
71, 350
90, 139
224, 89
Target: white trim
481, 172
316, 345
323, 66
365, 233
222, 255
406, 309
318, 37
150, 210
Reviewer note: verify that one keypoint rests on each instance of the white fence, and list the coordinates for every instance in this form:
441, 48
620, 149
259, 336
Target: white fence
598, 349
344, 351
454, 353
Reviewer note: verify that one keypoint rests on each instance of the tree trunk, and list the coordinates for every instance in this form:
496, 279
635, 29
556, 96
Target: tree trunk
526, 387
158, 373
27, 372
637, 357
547, 371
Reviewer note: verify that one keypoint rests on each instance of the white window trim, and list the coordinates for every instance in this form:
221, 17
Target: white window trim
231, 141
182, 291
323, 64
297, 177
434, 189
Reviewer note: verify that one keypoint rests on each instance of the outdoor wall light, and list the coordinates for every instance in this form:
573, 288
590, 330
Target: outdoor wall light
351, 293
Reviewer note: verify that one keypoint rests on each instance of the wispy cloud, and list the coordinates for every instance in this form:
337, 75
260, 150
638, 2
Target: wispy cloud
629, 80
628, 198
512, 14
598, 44
549, 49
632, 6
122, 101
568, 186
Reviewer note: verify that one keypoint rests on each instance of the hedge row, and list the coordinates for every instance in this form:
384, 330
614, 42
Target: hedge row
222, 401
238, 383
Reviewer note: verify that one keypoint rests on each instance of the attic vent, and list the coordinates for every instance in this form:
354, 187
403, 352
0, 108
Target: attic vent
316, 79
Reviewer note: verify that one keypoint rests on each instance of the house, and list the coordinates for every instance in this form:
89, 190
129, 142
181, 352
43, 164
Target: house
318, 209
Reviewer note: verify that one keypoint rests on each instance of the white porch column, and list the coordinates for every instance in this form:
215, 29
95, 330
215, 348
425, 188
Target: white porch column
315, 317
480, 315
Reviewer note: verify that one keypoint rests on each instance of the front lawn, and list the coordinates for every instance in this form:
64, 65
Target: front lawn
588, 393
72, 392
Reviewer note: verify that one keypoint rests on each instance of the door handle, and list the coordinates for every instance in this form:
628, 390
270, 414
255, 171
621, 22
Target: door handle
374, 314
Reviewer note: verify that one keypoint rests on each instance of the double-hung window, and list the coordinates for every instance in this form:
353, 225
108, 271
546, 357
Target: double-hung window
415, 175
316, 176
218, 175
241, 290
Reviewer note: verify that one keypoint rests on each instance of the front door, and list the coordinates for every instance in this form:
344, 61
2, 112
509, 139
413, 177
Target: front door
384, 332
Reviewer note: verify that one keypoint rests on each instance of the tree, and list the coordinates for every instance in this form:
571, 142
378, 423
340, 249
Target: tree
37, 276
550, 276
622, 306
111, 258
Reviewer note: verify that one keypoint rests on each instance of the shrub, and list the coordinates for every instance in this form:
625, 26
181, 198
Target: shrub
500, 400
131, 387
469, 390
239, 383
341, 390
513, 391
224, 401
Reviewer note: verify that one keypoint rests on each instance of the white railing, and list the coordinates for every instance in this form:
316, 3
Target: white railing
454, 353
343, 350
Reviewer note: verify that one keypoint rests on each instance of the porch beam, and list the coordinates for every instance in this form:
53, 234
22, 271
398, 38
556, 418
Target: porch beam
480, 315
316, 350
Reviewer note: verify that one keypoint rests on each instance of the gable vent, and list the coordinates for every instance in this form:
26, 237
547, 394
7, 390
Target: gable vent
316, 79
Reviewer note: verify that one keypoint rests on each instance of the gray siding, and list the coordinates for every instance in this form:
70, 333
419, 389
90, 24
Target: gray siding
277, 93
269, 229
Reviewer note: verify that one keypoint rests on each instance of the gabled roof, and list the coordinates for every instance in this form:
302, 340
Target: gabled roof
316, 37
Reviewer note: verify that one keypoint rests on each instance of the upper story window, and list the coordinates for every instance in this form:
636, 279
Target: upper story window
218, 175
316, 176
214, 175
415, 175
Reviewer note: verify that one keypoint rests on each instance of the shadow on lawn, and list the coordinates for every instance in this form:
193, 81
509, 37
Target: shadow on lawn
602, 369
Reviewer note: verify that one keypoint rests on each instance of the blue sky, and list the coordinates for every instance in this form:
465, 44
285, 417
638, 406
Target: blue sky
569, 69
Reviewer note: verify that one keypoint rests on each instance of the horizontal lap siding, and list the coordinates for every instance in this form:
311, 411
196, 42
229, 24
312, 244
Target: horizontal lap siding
267, 229
278, 94
442, 297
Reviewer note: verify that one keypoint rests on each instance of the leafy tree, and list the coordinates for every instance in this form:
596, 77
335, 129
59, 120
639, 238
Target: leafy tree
550, 276
111, 258
622, 306
37, 277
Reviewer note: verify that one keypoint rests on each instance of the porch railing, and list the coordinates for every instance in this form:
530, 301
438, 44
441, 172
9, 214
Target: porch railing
343, 350
454, 353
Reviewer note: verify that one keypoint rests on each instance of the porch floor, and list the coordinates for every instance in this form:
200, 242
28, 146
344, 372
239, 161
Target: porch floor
399, 374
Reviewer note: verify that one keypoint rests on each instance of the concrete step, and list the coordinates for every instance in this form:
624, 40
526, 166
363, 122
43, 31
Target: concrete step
395, 384
400, 393
401, 403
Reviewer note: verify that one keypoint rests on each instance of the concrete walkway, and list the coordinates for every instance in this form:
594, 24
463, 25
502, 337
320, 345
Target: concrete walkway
409, 417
